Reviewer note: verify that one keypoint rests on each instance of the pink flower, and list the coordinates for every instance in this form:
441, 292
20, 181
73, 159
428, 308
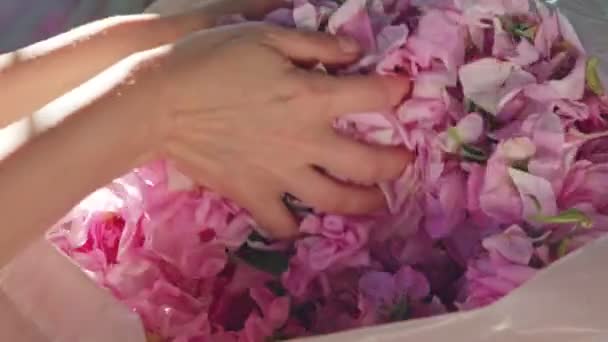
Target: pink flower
505, 268
468, 130
506, 122
386, 297
595, 151
274, 312
514, 245
499, 198
493, 7
490, 83
525, 54
536, 193
548, 30
352, 19
446, 209
440, 36
426, 113
584, 184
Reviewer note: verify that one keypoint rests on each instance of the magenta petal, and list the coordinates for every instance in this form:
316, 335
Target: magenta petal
498, 285
499, 198
548, 30
515, 273
311, 224
423, 111
513, 244
352, 20
438, 36
502, 131
487, 82
281, 16
432, 84
549, 138
392, 37
449, 210
470, 128
526, 54
305, 16
572, 87
412, 282
379, 287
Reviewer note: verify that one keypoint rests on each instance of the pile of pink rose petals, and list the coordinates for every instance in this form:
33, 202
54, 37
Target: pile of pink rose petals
509, 122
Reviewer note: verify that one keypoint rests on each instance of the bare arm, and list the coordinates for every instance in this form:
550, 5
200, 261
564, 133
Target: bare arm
92, 145
102, 135
32, 77
252, 129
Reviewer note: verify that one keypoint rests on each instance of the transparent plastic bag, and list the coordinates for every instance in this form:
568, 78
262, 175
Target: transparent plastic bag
44, 297
590, 19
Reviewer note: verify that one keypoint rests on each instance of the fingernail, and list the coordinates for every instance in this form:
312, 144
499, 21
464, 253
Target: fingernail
348, 44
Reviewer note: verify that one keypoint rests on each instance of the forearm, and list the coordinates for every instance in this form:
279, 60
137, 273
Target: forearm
47, 176
35, 75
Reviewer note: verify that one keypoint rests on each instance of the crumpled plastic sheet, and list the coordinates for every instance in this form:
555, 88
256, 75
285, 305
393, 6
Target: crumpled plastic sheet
44, 297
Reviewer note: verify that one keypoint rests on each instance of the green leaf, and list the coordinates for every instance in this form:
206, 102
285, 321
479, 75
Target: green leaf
593, 79
399, 312
471, 107
453, 134
525, 32
474, 154
304, 313
570, 216
277, 288
257, 237
268, 261
519, 29
562, 249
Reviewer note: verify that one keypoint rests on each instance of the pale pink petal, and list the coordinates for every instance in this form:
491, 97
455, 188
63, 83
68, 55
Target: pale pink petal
352, 19
536, 194
514, 245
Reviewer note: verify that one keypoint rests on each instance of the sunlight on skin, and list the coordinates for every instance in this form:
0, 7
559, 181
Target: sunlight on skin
14, 135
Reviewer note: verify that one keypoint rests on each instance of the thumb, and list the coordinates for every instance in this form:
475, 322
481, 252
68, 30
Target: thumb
312, 47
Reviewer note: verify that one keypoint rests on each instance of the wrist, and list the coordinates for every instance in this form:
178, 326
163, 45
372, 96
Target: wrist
146, 94
123, 108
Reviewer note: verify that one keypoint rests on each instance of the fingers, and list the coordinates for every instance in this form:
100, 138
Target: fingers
313, 47
327, 194
272, 216
359, 162
360, 94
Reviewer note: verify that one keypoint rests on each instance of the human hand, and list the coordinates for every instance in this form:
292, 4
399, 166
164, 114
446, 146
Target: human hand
242, 119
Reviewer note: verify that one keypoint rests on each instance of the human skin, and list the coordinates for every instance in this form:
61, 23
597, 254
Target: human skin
192, 98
